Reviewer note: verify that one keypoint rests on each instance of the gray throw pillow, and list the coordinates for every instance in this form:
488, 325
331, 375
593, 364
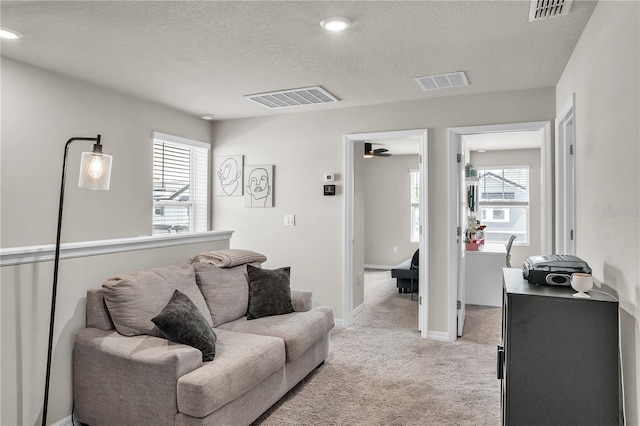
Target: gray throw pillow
269, 292
181, 322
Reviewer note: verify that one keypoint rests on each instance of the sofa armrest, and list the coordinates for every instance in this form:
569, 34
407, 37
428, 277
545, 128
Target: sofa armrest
301, 300
128, 380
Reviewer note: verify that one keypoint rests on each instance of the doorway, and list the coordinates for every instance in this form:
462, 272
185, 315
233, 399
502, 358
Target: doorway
565, 180
353, 240
456, 294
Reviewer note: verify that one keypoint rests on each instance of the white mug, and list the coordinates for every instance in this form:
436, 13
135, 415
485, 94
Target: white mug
581, 283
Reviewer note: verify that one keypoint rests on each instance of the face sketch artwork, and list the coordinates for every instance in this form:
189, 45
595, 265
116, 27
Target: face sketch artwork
229, 176
258, 187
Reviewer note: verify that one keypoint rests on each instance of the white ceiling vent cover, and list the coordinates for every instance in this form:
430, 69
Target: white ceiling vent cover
293, 97
543, 9
443, 81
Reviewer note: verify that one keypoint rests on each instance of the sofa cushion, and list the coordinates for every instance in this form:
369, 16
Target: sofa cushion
181, 322
242, 361
269, 292
135, 298
225, 290
299, 330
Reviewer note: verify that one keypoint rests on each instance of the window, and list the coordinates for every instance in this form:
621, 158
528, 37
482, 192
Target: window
415, 205
179, 184
504, 203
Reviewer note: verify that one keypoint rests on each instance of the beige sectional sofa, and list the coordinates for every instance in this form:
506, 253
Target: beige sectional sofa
127, 373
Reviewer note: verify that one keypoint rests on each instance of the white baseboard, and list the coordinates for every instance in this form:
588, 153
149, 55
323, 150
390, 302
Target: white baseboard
67, 421
441, 336
386, 267
339, 322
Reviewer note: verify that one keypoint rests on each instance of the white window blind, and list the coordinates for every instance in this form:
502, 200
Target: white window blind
507, 185
180, 172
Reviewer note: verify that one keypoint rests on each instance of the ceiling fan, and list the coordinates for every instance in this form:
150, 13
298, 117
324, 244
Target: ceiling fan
379, 152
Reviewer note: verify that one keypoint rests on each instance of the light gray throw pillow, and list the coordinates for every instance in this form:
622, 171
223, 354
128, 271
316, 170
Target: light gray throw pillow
225, 290
134, 299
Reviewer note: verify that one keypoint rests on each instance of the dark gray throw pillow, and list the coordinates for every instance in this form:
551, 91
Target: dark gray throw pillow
269, 292
181, 322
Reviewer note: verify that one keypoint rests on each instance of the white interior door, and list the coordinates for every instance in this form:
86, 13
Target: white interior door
461, 219
565, 181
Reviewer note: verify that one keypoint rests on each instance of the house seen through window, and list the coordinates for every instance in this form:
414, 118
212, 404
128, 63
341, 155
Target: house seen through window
504, 203
179, 184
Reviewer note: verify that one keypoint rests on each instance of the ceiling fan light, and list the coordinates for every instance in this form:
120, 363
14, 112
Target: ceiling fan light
368, 153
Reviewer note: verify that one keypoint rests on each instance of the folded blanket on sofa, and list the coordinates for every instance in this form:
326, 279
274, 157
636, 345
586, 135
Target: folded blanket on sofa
229, 258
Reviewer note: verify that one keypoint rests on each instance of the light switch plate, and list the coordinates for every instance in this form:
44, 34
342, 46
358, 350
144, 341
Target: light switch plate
290, 219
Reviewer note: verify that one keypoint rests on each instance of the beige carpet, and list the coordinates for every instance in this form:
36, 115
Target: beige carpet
380, 372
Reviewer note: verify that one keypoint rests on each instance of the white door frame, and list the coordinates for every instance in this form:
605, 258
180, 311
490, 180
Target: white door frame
454, 139
349, 231
565, 180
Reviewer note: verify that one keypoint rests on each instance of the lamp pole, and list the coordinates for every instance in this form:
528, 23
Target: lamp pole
98, 151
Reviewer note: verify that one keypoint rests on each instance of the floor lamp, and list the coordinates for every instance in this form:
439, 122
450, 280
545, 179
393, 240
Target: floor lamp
95, 173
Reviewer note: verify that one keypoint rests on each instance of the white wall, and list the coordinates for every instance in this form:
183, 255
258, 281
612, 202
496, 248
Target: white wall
603, 72
304, 146
387, 185
40, 112
520, 157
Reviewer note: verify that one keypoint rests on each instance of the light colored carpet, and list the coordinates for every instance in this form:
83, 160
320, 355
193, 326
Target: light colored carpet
380, 372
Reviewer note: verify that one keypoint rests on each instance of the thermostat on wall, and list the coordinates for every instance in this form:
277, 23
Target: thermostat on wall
329, 177
329, 190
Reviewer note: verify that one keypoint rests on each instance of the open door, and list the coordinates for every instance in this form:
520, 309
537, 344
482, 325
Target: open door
461, 220
565, 181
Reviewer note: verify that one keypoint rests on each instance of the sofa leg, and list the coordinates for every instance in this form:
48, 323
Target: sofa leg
320, 365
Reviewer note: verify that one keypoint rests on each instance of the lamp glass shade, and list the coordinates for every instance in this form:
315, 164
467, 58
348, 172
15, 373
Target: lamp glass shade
95, 171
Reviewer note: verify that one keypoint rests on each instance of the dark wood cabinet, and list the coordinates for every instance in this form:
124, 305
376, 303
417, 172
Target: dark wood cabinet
559, 358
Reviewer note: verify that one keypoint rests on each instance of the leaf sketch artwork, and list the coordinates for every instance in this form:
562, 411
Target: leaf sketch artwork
258, 190
228, 175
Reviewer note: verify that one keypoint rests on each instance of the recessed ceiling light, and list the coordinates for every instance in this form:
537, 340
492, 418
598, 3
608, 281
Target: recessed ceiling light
482, 150
10, 33
335, 23
207, 117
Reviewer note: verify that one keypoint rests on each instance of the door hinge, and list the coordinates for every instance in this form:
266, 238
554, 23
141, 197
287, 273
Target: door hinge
420, 300
420, 229
459, 305
458, 231
458, 158
420, 159
571, 235
571, 149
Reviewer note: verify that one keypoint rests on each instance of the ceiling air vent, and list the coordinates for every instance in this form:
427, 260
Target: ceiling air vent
293, 97
543, 9
443, 81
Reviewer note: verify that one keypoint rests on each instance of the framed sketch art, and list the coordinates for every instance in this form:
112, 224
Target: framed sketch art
228, 175
258, 191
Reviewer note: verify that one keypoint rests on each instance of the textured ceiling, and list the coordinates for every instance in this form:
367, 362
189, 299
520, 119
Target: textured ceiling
203, 56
